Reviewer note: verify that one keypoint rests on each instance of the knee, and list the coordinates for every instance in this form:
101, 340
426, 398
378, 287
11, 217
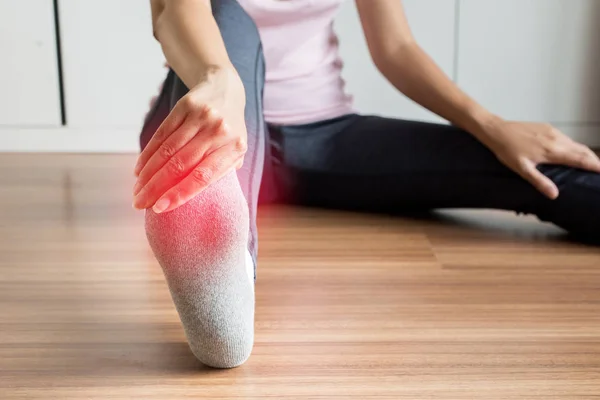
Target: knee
577, 209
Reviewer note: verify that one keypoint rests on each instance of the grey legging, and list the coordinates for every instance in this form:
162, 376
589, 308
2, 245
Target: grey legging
376, 164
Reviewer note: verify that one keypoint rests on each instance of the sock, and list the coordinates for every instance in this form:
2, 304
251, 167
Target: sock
202, 249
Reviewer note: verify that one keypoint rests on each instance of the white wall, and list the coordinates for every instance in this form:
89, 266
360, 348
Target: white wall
29, 90
534, 60
112, 65
525, 59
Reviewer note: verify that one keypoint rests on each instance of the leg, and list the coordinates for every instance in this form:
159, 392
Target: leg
207, 248
245, 51
381, 164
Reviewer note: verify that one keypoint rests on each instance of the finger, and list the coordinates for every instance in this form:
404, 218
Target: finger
171, 146
577, 156
580, 157
172, 122
211, 169
540, 181
594, 162
183, 111
180, 165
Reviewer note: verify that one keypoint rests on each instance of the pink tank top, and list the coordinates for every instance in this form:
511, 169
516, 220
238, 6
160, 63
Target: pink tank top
303, 77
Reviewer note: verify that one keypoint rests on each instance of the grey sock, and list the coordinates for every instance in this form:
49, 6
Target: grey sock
202, 248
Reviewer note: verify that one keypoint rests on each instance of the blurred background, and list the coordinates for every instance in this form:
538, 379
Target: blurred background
77, 76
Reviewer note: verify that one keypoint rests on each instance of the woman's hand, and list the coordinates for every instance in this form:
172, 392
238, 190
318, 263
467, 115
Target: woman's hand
201, 140
521, 146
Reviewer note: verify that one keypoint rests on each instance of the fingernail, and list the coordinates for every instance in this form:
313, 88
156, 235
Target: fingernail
137, 188
161, 205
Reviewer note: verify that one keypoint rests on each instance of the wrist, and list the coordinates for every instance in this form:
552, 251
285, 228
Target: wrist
480, 122
225, 82
212, 73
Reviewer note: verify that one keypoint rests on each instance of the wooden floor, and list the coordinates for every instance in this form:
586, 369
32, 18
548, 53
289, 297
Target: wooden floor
462, 305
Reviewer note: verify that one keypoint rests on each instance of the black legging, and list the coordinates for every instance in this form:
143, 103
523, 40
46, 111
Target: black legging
377, 164
382, 164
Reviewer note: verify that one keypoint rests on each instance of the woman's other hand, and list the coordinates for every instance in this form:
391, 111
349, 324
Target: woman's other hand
202, 139
522, 146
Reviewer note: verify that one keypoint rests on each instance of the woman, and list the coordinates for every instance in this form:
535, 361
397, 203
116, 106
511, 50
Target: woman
315, 149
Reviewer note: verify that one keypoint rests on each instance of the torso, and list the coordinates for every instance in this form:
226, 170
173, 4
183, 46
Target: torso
303, 78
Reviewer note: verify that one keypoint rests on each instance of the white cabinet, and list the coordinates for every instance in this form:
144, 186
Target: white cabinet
523, 59
433, 24
112, 64
29, 88
532, 59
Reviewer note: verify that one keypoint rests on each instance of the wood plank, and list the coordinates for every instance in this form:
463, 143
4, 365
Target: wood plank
462, 305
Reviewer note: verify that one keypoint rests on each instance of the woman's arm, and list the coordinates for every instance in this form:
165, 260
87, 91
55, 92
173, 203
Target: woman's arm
520, 146
404, 63
204, 136
190, 38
